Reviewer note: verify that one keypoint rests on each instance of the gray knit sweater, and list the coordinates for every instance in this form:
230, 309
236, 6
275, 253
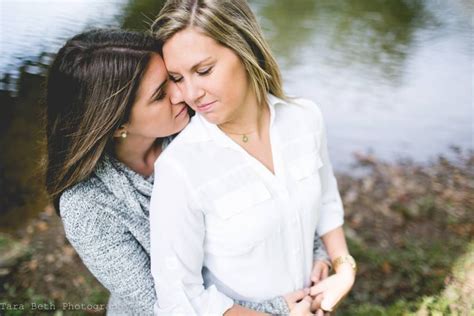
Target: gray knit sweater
106, 220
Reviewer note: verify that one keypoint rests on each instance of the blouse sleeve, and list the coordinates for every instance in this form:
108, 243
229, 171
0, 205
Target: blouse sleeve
177, 234
332, 211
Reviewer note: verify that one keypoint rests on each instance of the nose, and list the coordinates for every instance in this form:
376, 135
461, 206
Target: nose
176, 96
191, 92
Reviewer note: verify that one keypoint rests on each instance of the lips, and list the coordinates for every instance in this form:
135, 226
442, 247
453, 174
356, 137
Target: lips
182, 111
206, 107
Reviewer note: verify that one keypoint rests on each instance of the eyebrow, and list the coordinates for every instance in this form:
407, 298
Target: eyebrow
195, 65
158, 90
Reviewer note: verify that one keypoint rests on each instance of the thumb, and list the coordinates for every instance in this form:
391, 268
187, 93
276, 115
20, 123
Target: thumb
328, 303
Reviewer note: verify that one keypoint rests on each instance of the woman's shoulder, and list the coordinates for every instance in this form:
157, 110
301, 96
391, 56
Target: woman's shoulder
304, 111
306, 105
85, 202
182, 144
83, 193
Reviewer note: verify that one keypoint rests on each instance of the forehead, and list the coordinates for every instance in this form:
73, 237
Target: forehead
155, 63
155, 73
187, 47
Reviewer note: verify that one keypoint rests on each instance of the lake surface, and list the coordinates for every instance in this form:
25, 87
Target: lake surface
394, 78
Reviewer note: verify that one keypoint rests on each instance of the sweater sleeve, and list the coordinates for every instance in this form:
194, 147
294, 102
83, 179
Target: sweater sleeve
274, 306
319, 251
109, 250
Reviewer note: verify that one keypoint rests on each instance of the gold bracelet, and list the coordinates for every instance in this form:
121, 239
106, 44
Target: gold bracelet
344, 259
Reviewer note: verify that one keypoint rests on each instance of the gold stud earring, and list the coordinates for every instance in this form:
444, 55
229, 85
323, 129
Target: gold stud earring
123, 134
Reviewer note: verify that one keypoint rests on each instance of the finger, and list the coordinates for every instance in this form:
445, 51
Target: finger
316, 304
303, 307
325, 272
295, 296
315, 278
316, 273
307, 300
319, 312
318, 288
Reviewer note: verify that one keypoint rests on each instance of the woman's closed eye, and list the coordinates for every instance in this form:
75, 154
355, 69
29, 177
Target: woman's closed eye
175, 78
160, 96
160, 92
204, 71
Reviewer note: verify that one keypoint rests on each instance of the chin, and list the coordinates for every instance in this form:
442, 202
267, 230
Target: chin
183, 127
213, 118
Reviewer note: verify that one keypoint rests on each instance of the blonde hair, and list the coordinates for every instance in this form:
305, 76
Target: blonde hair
232, 24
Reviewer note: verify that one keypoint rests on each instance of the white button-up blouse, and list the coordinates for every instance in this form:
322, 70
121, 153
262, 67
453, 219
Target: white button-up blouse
224, 227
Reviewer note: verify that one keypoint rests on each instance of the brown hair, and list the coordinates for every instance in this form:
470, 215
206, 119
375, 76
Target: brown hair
232, 24
91, 88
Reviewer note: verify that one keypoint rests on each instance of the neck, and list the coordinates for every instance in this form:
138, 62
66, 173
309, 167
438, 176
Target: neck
138, 153
250, 119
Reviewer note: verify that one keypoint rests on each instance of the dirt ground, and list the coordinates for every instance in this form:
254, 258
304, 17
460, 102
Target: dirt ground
409, 226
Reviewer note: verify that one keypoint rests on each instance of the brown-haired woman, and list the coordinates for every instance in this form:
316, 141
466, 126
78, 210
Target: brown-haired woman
110, 112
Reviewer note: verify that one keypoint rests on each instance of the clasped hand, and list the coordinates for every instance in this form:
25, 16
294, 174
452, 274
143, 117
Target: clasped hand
325, 292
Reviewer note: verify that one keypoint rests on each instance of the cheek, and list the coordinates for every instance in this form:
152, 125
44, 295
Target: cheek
152, 117
238, 79
238, 91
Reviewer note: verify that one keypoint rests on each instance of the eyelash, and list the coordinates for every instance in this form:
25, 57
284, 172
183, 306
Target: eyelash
174, 79
205, 72
201, 73
160, 96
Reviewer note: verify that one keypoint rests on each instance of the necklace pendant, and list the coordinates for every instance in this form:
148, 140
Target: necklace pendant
245, 138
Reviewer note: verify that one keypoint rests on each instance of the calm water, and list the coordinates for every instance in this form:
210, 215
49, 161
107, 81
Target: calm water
392, 77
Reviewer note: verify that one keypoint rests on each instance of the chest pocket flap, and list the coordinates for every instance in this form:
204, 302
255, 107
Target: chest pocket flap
236, 201
305, 166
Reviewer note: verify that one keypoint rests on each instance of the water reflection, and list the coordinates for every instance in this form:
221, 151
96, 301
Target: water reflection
22, 91
139, 14
394, 76
376, 33
21, 181
387, 74
31, 28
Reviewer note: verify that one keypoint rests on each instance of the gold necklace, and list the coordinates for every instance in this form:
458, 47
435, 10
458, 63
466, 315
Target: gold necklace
245, 137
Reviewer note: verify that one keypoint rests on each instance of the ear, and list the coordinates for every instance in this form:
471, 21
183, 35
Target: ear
118, 132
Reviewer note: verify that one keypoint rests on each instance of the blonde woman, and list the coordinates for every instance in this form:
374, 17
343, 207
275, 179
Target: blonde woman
240, 193
110, 112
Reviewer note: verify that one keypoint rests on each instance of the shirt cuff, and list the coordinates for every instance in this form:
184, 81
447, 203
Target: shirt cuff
329, 223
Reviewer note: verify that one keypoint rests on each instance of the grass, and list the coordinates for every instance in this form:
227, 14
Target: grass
409, 227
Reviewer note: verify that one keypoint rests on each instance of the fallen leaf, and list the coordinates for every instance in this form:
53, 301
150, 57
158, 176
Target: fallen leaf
42, 226
386, 267
33, 265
